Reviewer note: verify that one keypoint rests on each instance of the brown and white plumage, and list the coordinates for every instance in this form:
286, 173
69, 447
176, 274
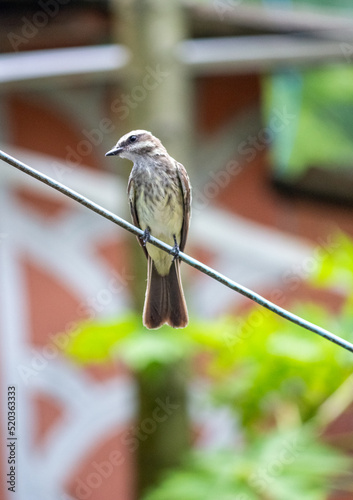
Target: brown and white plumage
160, 200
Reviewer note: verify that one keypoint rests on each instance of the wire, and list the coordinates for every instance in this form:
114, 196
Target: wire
183, 256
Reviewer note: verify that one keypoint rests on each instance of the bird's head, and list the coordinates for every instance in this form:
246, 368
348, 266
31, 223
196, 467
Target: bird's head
137, 144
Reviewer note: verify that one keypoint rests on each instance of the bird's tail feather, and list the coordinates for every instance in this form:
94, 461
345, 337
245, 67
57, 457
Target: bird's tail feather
165, 301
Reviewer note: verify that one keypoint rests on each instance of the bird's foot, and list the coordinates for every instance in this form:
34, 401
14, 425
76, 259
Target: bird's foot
146, 236
176, 250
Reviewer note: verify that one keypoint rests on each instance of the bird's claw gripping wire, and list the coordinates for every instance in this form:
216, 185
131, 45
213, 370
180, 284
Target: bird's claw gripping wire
146, 236
176, 250
186, 258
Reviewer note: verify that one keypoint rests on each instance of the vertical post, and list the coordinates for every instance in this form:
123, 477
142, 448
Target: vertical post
155, 80
156, 92
163, 422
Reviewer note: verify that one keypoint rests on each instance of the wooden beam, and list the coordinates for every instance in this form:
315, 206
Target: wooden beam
272, 19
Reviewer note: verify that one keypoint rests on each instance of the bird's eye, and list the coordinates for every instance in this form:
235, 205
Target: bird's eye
132, 138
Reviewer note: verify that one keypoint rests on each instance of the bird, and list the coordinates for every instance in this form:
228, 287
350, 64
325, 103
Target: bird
159, 194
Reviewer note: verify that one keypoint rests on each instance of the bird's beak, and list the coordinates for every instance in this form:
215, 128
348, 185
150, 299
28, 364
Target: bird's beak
114, 152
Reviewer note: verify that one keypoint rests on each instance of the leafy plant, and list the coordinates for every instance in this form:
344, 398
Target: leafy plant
283, 383
319, 104
266, 369
281, 465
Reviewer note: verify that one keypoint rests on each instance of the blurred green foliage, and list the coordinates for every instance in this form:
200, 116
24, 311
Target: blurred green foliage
336, 271
285, 465
323, 134
318, 106
336, 4
273, 375
264, 368
280, 373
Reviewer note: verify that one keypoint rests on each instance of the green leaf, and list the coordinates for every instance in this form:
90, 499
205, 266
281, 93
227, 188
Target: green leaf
336, 268
94, 342
162, 347
280, 465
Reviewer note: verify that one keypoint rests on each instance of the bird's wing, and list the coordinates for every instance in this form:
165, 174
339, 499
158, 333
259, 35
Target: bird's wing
186, 190
133, 211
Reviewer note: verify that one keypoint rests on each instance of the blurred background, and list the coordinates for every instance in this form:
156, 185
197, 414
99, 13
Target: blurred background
255, 98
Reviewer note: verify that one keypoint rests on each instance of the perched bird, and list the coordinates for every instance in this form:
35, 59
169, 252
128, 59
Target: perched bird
159, 194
